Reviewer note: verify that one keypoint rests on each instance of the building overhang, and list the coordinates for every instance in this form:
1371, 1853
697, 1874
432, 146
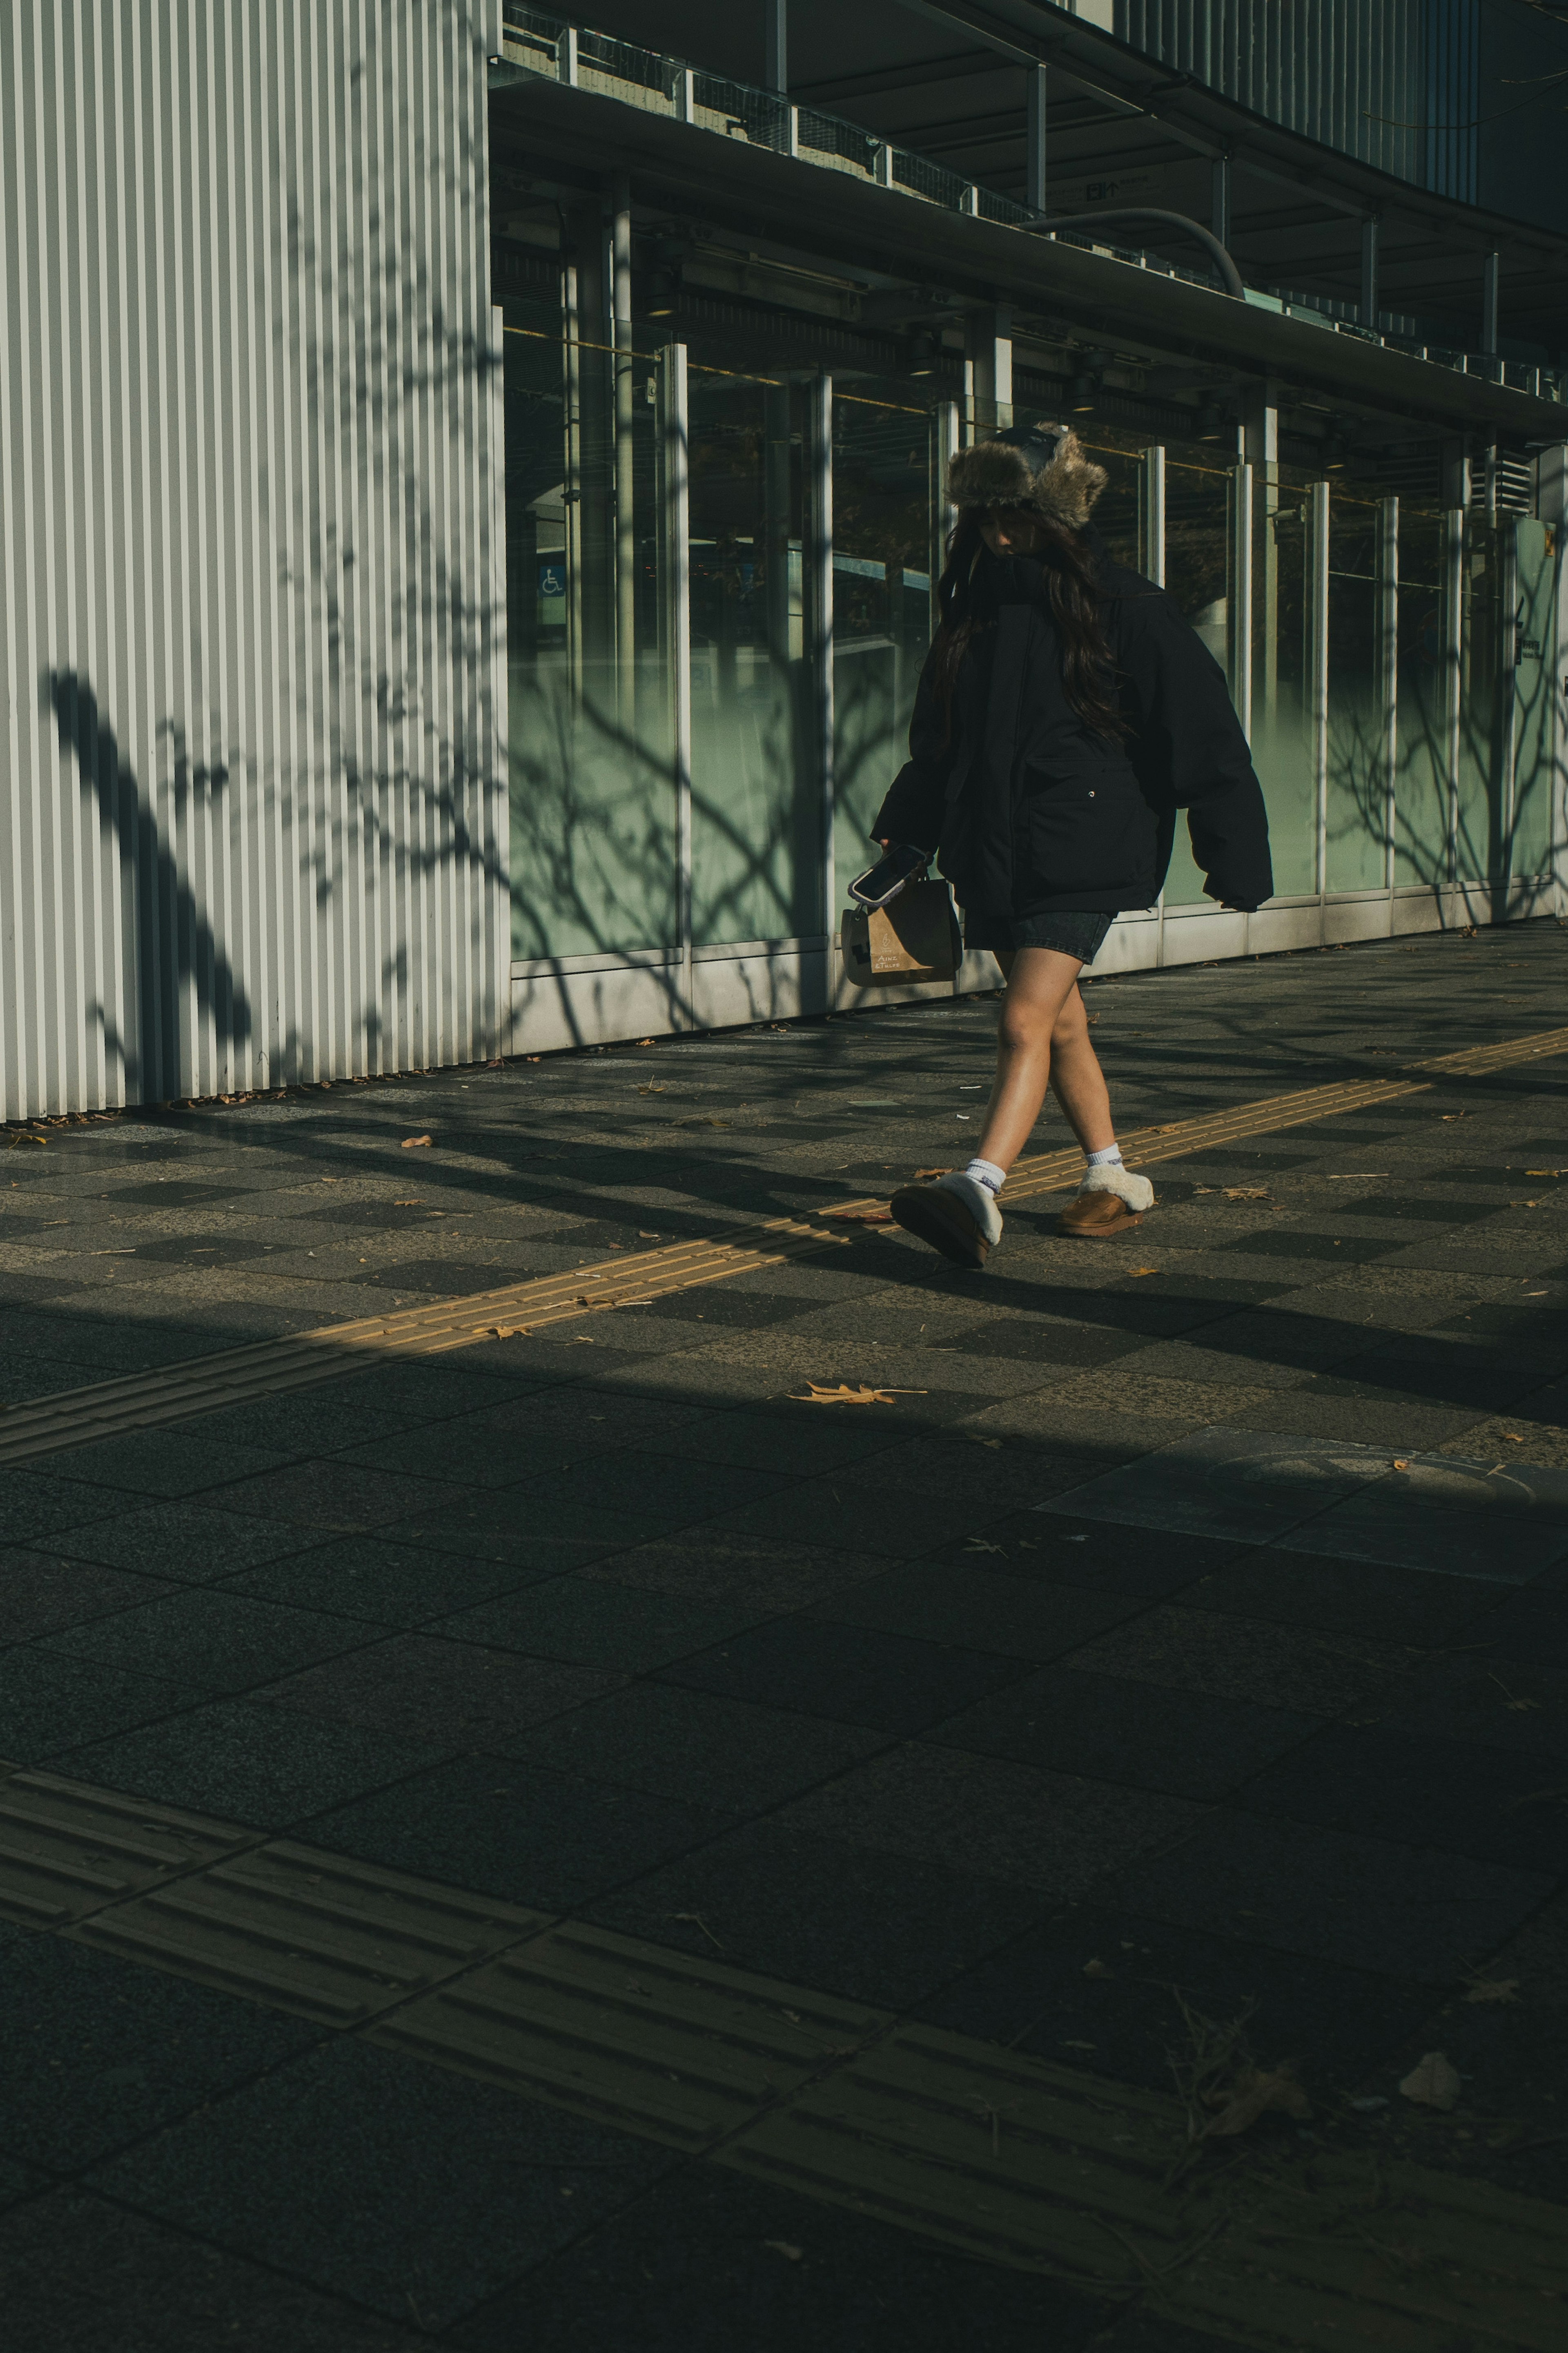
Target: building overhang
686, 168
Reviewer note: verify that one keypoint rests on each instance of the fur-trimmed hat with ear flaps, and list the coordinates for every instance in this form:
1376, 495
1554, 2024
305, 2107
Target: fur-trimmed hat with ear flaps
1041, 467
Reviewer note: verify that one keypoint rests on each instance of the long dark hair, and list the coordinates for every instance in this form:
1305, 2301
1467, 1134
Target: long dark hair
1069, 564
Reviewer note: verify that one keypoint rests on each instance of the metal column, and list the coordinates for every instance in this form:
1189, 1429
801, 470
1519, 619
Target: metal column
1035, 155
1151, 513
819, 590
1388, 667
1317, 668
944, 519
1552, 505
675, 530
1452, 673
625, 535
988, 370
1240, 595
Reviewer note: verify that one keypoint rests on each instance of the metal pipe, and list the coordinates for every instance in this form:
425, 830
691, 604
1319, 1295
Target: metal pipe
1318, 671
675, 528
1151, 513
1388, 630
1229, 276
819, 557
1240, 597
775, 44
1035, 138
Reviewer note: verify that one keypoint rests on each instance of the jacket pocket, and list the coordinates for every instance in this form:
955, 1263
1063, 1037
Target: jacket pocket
1088, 828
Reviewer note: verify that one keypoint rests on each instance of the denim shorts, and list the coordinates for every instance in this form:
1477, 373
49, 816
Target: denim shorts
1072, 933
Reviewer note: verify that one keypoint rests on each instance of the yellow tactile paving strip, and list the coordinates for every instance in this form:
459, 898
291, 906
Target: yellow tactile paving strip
1013, 2160
151, 1400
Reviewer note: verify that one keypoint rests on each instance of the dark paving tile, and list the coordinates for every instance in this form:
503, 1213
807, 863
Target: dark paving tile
1148, 2330
1046, 1340
523, 1832
1482, 1695
1055, 1831
877, 1927
422, 1687
1530, 1626
893, 1682
1422, 1792
763, 1579
1191, 1744
40, 1594
209, 1642
18, 2181
335, 1497
1229, 1483
383, 1583
312, 2164
711, 2262
654, 1494
264, 1766
34, 1503
168, 1463
1288, 1667
1124, 2019
48, 1702
695, 1746
842, 1510
188, 1541
1386, 1604
1059, 1549
84, 2273
1362, 1902
790, 1445
597, 1623
971, 1603
1382, 1524
98, 2050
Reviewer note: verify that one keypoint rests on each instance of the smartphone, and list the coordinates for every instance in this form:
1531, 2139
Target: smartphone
883, 881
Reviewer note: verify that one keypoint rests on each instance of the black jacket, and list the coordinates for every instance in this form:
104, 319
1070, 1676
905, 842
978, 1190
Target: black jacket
1030, 812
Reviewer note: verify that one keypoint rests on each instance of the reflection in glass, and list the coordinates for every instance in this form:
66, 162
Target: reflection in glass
1357, 784
1197, 578
593, 786
882, 488
1421, 782
756, 829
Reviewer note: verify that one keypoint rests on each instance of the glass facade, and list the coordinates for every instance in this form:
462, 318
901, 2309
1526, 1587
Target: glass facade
719, 603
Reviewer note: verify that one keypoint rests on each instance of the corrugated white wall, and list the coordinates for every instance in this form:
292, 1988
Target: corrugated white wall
252, 608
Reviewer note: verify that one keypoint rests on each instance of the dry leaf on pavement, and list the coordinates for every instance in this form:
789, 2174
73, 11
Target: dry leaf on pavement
1494, 1990
411, 1143
1247, 1192
502, 1331
1145, 1270
921, 1172
845, 1394
861, 1217
1255, 2091
1432, 2082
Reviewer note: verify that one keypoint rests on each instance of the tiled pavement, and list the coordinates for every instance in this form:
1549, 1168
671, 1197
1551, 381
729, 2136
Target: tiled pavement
1101, 1642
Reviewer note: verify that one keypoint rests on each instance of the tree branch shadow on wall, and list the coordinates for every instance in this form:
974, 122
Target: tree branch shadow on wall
173, 946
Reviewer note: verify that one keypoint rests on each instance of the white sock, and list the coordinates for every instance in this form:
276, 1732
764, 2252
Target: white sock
986, 1173
1110, 1158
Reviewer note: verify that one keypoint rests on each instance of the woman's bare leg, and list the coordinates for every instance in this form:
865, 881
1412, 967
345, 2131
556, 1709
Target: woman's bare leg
1042, 1039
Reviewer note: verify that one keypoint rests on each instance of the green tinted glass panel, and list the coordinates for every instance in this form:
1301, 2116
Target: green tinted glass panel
882, 487
1421, 782
1282, 748
756, 827
1533, 681
1480, 785
1357, 785
592, 775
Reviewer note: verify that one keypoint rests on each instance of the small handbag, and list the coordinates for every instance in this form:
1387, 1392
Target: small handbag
915, 937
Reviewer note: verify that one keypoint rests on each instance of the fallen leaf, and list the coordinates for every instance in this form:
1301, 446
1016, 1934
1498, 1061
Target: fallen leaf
1514, 1437
1254, 2091
1171, 1130
411, 1143
1145, 1270
1204, 1188
1247, 1192
861, 1217
1494, 1989
932, 1172
643, 1237
783, 2247
845, 1394
653, 1091
1402, 1463
641, 1042
1432, 2082
503, 1331
1095, 1970
977, 1544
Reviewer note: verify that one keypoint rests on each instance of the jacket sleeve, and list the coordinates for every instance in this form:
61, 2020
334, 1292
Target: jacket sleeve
916, 800
1189, 750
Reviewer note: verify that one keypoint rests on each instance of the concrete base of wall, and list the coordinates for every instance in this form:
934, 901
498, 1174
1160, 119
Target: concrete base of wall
599, 1000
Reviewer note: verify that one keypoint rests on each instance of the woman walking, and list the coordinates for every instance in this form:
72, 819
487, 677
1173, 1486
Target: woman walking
1066, 711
